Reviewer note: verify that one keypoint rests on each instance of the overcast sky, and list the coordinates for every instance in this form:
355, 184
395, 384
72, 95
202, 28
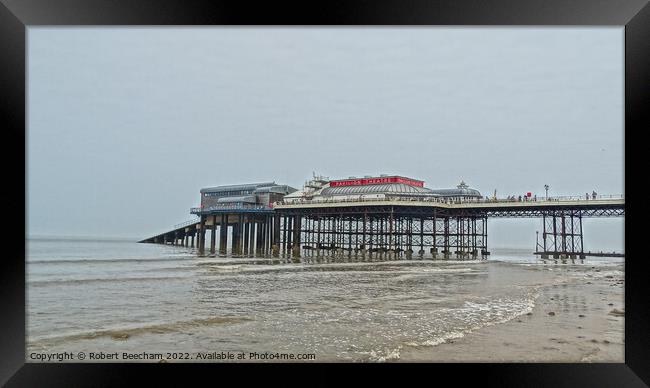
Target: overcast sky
125, 125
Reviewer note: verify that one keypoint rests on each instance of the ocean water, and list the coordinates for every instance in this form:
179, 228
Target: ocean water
121, 296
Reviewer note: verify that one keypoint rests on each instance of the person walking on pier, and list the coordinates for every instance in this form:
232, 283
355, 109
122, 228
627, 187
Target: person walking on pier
593, 195
587, 196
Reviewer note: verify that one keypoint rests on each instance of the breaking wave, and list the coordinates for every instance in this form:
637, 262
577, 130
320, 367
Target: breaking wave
110, 261
40, 283
126, 333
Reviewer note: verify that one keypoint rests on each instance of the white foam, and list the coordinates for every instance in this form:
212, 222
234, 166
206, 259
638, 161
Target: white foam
480, 315
382, 356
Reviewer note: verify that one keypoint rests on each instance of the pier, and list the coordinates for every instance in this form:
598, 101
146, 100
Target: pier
386, 216
545, 255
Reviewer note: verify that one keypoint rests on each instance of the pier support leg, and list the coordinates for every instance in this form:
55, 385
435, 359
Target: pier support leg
269, 234
390, 230
296, 236
276, 235
202, 236
434, 237
289, 233
446, 252
253, 237
223, 234
482, 232
258, 237
421, 252
264, 232
213, 235
246, 236
236, 236
284, 234
362, 232
582, 247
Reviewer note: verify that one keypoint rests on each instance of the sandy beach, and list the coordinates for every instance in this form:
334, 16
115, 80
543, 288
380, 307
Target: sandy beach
578, 318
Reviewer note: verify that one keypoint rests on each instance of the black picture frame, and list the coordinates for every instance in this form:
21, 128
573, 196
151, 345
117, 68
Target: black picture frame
17, 15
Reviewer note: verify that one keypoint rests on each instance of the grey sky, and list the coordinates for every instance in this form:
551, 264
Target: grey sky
125, 125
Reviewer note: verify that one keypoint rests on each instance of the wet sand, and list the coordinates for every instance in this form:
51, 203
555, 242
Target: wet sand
579, 318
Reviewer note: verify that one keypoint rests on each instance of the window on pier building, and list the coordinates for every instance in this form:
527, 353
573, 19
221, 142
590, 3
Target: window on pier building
228, 193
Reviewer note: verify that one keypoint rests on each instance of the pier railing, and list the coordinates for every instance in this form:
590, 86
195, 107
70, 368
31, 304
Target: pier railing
186, 223
564, 198
199, 210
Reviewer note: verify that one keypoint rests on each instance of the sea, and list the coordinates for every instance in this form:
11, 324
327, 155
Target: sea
110, 297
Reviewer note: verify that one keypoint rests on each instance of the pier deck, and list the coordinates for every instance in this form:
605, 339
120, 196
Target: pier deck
392, 226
